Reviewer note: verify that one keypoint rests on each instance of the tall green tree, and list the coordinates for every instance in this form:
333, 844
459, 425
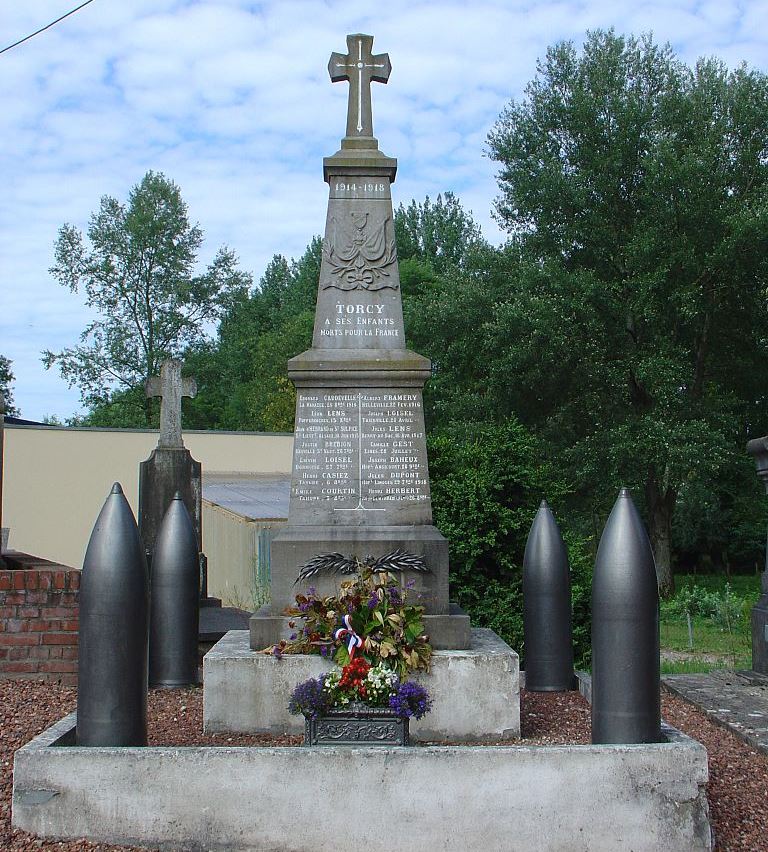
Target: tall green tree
6, 385
634, 342
137, 274
242, 378
439, 232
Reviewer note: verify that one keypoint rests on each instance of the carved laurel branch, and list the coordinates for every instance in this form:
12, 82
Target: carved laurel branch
337, 563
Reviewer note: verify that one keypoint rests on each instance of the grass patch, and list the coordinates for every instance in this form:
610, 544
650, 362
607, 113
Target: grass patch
700, 666
707, 625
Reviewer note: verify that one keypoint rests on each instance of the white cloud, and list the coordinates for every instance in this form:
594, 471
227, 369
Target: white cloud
232, 100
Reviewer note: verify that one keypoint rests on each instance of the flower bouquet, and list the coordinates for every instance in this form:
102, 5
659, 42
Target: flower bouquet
370, 614
359, 703
376, 637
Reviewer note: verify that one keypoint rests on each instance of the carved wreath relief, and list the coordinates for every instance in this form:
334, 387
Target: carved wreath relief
360, 255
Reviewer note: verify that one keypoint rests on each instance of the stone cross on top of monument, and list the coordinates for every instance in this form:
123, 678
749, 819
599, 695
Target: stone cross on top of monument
360, 67
170, 387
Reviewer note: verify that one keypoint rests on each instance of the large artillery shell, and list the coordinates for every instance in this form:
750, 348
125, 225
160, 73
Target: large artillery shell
625, 632
175, 603
114, 631
547, 607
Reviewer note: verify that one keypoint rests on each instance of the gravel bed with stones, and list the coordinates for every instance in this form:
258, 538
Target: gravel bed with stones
738, 787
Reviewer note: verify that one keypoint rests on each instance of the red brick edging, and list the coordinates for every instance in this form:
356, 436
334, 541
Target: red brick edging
39, 619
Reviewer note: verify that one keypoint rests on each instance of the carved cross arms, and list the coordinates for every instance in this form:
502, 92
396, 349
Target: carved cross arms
170, 387
360, 67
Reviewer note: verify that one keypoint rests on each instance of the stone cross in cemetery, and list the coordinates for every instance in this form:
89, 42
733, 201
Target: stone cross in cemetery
171, 467
170, 387
360, 482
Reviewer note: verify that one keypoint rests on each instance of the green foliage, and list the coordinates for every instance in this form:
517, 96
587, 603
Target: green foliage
138, 281
242, 379
440, 233
713, 597
709, 620
120, 409
487, 482
6, 385
272, 397
636, 190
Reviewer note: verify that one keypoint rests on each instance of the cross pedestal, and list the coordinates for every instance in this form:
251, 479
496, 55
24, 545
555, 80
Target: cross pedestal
171, 467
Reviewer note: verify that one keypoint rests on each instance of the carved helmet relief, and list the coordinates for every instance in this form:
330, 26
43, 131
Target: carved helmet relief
358, 254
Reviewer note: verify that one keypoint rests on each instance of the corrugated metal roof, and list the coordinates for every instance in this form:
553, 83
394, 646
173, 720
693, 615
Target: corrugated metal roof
253, 496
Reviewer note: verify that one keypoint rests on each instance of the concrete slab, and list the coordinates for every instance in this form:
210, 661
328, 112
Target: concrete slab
475, 692
647, 798
737, 700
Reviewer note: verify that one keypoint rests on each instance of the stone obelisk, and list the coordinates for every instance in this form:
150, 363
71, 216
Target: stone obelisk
360, 483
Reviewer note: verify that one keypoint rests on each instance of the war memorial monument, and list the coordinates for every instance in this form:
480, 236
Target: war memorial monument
360, 483
360, 491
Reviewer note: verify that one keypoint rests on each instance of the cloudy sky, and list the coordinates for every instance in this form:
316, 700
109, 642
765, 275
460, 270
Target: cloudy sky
232, 100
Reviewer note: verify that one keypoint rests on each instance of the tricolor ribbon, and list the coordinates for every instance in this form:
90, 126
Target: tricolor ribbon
354, 642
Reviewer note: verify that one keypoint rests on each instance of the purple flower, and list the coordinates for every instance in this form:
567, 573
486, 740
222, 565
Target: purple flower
292, 637
277, 652
373, 601
410, 700
304, 606
411, 584
309, 699
394, 596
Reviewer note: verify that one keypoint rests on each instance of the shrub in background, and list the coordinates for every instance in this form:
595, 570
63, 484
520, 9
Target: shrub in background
487, 482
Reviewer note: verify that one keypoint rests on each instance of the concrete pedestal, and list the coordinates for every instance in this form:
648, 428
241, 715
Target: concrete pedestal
760, 634
446, 632
475, 692
518, 798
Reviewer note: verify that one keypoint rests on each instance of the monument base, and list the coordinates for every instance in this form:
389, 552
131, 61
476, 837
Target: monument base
446, 625
510, 798
475, 692
296, 544
449, 632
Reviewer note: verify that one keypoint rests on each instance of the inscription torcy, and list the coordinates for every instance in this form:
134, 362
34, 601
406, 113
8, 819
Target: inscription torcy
359, 320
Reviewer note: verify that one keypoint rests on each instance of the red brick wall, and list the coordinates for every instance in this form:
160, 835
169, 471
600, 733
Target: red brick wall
39, 612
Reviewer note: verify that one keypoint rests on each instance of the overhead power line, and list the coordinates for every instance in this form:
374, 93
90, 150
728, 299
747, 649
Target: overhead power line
46, 27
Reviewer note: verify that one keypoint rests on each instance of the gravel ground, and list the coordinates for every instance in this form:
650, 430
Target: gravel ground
738, 779
738, 787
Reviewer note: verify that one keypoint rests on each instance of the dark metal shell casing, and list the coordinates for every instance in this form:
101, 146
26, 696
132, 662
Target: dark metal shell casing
625, 632
174, 618
114, 631
547, 607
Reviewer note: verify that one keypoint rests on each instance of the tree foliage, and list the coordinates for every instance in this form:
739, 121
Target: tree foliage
243, 378
137, 274
636, 187
487, 482
6, 385
440, 233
